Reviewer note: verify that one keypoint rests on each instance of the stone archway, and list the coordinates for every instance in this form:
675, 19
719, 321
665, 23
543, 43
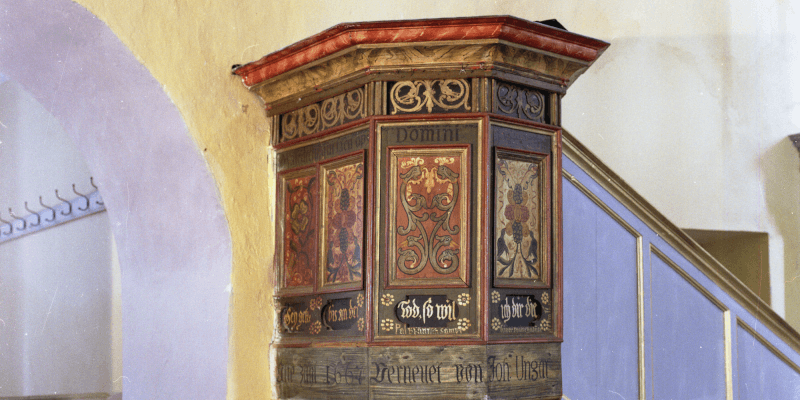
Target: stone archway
172, 235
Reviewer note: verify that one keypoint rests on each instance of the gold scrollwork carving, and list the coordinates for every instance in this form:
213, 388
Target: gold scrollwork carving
330, 112
412, 96
418, 250
522, 102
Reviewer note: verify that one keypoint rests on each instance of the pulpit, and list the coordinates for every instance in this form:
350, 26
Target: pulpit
418, 208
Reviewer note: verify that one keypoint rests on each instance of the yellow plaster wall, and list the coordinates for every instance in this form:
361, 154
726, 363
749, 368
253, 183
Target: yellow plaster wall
190, 45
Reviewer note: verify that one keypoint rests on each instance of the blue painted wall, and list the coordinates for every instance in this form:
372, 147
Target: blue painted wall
686, 319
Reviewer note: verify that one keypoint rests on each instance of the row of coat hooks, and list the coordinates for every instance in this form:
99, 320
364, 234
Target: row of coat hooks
67, 210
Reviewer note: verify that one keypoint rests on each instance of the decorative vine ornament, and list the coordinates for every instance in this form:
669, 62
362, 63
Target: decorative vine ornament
522, 102
412, 96
416, 251
323, 115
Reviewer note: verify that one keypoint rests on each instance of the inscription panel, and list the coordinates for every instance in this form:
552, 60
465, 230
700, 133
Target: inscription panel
513, 314
513, 371
426, 311
321, 317
306, 373
322, 150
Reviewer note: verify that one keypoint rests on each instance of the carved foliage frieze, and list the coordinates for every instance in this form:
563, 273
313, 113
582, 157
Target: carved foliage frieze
319, 116
428, 96
518, 101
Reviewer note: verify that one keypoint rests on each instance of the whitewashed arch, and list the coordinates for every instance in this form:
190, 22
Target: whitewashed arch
171, 232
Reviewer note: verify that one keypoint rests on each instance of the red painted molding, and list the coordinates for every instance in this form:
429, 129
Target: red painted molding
343, 36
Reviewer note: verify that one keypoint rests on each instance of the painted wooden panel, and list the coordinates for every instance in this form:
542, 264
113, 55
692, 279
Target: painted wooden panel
688, 337
521, 255
426, 216
298, 249
428, 198
600, 302
342, 223
762, 374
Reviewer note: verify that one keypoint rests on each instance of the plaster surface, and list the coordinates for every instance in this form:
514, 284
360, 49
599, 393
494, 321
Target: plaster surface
57, 333
164, 210
690, 105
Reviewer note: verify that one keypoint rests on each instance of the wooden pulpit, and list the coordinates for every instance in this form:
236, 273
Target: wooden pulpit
418, 251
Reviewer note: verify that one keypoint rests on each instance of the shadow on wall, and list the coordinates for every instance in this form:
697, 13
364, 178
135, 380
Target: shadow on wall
780, 167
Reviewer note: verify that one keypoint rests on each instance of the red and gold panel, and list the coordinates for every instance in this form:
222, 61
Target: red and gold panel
428, 221
341, 255
298, 245
521, 219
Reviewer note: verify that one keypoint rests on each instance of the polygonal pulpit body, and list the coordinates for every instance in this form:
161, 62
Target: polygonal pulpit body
418, 227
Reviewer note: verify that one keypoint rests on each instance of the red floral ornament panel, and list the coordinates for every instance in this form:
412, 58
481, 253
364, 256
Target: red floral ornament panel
299, 245
520, 220
428, 218
343, 215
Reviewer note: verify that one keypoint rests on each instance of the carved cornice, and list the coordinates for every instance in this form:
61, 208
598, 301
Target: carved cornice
468, 47
529, 34
412, 61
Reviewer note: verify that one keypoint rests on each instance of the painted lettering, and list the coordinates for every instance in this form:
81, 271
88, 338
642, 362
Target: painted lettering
344, 374
530, 370
408, 309
498, 371
406, 374
284, 373
427, 134
468, 373
293, 319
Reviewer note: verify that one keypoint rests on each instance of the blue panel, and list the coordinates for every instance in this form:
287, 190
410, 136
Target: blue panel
616, 310
688, 339
762, 375
579, 350
600, 351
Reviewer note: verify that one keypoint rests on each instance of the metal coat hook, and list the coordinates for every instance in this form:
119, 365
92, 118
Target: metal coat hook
38, 217
24, 223
82, 195
50, 208
65, 201
10, 226
91, 180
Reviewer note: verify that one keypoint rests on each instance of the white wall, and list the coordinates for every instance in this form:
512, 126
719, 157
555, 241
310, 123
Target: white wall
57, 296
692, 105
173, 243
